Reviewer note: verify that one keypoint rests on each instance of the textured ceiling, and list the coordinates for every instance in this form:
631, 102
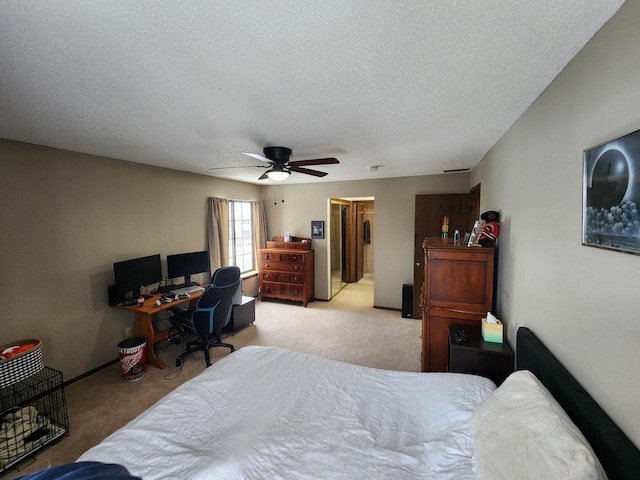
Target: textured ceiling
415, 87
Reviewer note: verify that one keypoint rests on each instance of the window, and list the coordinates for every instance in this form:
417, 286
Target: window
240, 235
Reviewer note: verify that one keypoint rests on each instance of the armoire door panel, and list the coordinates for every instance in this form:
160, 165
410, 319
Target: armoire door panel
458, 283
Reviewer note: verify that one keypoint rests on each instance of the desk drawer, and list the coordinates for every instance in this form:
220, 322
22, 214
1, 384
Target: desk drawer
282, 277
282, 290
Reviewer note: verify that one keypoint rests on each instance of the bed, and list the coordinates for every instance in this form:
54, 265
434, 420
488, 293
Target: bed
264, 412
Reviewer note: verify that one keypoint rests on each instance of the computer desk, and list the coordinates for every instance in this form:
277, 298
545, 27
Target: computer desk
143, 322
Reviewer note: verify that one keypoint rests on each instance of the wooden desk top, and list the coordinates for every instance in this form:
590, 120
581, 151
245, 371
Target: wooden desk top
150, 308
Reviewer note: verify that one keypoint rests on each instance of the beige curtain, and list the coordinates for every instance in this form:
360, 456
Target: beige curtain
259, 230
218, 231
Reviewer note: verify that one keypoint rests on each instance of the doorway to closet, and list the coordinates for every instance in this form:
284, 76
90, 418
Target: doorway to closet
351, 241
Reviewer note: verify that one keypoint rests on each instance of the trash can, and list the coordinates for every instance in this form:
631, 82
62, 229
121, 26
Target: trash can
133, 358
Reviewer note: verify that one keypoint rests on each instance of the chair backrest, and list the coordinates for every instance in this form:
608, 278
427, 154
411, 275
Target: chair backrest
213, 309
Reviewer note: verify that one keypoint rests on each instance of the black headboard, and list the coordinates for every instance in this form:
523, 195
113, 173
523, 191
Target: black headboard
618, 455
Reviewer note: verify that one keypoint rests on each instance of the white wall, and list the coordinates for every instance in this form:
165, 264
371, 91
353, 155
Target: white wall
581, 301
394, 224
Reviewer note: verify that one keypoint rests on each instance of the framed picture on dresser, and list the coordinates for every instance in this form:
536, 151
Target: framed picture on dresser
611, 195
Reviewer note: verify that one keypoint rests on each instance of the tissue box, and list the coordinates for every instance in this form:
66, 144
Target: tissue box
491, 332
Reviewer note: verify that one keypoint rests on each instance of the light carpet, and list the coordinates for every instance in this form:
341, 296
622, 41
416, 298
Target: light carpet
347, 329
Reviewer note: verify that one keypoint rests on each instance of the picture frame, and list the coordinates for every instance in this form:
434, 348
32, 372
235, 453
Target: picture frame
317, 229
611, 195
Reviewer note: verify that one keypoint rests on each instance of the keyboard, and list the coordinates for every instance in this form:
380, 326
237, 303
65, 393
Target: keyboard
192, 289
166, 288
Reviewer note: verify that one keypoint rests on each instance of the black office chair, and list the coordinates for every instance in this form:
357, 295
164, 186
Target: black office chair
211, 315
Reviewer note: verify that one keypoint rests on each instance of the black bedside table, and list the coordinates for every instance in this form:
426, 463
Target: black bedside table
492, 360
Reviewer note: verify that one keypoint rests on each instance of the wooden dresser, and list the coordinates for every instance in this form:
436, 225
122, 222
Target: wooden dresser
458, 290
286, 270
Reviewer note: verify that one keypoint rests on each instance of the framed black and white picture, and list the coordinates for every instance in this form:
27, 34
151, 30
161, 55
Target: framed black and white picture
317, 229
611, 194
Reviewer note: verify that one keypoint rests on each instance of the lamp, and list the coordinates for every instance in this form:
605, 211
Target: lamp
278, 173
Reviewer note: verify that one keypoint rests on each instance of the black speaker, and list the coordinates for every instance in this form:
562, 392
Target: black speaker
115, 297
407, 300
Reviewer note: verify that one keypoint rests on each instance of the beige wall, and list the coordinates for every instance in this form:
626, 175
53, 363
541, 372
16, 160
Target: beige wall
583, 302
66, 217
394, 224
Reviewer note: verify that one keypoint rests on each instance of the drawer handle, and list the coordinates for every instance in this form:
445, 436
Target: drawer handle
295, 258
296, 267
295, 279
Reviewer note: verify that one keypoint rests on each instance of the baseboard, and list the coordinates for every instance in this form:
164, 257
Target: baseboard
90, 372
388, 308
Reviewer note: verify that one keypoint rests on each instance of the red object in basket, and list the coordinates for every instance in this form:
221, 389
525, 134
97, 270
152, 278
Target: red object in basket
16, 350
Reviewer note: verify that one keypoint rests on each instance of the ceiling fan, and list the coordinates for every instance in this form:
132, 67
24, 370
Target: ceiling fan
277, 160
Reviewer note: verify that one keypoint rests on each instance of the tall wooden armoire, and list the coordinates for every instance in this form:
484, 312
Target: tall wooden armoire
458, 290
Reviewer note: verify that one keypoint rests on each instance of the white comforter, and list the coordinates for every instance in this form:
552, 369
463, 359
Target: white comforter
264, 412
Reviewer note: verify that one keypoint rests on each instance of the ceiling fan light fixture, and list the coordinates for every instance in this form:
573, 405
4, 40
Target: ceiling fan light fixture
278, 173
278, 176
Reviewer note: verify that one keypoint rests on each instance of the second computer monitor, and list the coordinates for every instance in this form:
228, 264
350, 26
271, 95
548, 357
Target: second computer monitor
187, 264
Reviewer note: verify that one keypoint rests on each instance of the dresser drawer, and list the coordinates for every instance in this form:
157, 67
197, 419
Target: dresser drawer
281, 257
282, 277
281, 266
284, 290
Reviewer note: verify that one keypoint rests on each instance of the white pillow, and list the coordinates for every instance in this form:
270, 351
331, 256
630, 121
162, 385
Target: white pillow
521, 432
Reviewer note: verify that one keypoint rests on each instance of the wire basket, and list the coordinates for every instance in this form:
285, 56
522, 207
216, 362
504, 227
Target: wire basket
22, 365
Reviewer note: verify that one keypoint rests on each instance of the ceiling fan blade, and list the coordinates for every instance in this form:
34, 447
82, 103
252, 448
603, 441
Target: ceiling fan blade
258, 157
233, 166
308, 171
315, 161
264, 176
239, 166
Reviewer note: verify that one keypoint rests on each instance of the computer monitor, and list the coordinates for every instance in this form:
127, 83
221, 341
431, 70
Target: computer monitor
132, 275
187, 264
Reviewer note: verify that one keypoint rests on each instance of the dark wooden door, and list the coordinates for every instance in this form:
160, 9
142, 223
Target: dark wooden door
350, 244
461, 208
475, 205
354, 242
